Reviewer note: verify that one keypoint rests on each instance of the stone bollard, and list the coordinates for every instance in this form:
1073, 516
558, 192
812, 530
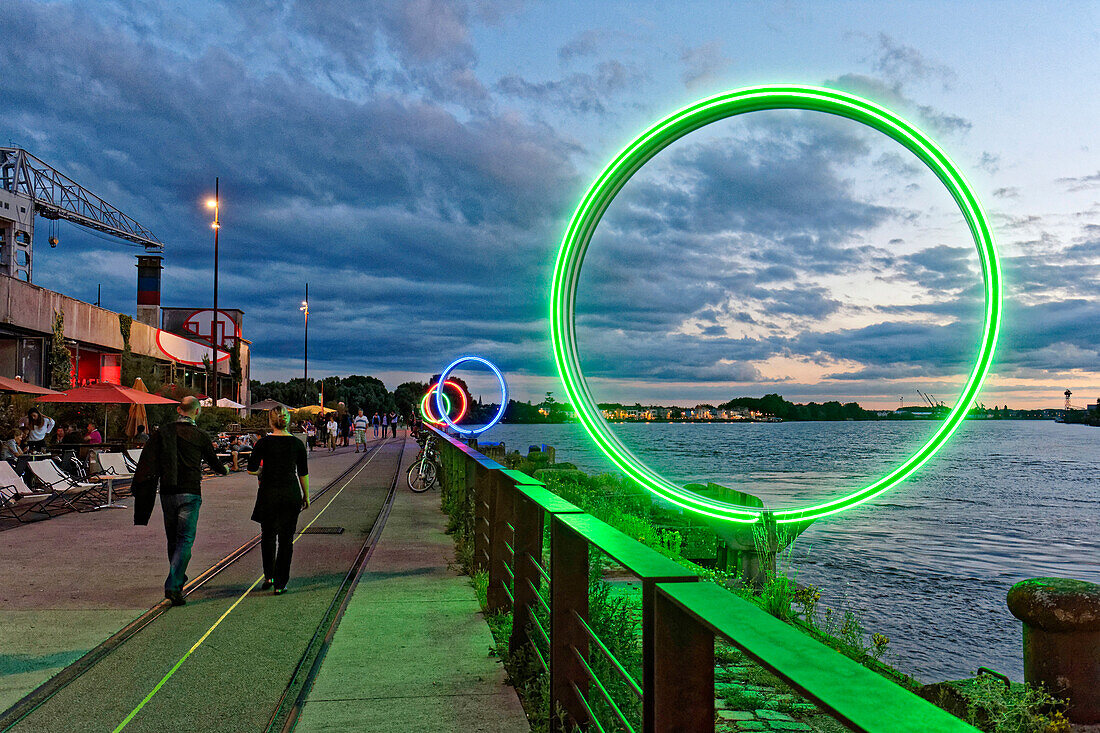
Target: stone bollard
1062, 640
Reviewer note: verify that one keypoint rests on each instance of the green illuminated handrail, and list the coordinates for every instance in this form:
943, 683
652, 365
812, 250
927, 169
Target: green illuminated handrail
859, 698
679, 619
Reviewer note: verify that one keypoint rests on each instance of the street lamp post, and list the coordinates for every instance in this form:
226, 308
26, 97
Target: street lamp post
215, 203
305, 353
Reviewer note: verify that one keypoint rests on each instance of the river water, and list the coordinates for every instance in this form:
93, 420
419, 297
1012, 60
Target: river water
928, 563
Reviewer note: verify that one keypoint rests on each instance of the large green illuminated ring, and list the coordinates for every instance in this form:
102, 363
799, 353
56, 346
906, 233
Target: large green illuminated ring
592, 207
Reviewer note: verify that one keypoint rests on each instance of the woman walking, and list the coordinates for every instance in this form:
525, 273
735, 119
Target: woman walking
280, 461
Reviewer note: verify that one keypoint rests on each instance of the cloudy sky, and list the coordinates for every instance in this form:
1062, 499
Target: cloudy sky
417, 162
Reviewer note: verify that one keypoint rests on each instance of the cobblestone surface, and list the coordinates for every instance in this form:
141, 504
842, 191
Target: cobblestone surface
745, 701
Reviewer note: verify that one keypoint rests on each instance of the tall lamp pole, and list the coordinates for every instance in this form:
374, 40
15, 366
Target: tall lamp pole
305, 353
215, 204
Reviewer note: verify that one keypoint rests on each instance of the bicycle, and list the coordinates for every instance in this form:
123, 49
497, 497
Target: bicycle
425, 469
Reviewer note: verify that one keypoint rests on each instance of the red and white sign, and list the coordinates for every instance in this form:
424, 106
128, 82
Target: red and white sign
222, 330
185, 351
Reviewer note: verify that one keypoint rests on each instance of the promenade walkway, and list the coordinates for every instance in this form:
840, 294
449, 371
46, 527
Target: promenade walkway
411, 653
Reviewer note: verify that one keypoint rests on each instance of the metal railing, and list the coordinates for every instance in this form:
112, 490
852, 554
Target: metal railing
503, 513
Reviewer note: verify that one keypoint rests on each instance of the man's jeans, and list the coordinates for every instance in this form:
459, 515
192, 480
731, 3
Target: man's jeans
181, 516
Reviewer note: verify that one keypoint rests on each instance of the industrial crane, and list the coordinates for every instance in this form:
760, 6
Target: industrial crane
29, 186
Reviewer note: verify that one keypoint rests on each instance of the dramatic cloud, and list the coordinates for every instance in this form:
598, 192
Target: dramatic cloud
417, 162
703, 64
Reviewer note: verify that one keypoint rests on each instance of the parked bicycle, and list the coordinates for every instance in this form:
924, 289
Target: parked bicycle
424, 471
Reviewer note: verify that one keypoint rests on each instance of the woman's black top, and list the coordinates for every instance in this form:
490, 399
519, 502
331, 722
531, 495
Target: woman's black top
281, 459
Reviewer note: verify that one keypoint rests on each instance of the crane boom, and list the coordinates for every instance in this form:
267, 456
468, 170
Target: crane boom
56, 196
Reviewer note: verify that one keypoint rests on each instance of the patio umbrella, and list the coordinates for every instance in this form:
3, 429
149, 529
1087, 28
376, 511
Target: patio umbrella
18, 386
226, 402
107, 394
268, 405
137, 416
314, 410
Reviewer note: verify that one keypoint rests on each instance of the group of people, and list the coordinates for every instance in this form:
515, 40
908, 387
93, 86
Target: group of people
37, 432
171, 463
339, 429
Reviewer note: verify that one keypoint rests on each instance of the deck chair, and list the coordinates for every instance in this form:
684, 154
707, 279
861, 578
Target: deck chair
114, 464
17, 500
69, 490
112, 468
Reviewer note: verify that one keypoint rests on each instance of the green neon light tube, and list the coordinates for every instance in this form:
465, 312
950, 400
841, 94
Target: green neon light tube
591, 209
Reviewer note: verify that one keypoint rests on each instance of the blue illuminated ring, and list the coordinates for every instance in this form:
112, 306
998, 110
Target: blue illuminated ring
503, 395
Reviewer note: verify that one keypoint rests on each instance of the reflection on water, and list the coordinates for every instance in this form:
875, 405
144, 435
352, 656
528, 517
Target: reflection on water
928, 563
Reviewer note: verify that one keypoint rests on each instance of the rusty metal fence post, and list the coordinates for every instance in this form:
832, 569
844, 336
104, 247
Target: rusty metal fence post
482, 518
568, 643
501, 539
682, 688
529, 519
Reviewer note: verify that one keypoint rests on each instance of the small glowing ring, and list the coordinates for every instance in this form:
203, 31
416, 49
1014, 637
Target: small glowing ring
424, 402
577, 237
503, 395
426, 412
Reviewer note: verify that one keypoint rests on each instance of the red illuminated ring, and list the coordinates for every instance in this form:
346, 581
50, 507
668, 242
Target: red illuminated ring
426, 401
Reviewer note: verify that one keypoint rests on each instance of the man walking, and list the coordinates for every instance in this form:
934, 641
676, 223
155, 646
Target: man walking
333, 429
360, 425
376, 421
173, 459
393, 423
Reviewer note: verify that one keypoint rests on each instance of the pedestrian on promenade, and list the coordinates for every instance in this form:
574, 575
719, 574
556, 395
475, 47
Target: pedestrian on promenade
173, 459
393, 423
38, 428
345, 428
280, 461
376, 421
360, 424
333, 429
311, 434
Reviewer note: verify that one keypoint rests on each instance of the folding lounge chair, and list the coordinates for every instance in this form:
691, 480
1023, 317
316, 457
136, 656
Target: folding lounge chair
114, 464
16, 500
132, 456
113, 468
69, 489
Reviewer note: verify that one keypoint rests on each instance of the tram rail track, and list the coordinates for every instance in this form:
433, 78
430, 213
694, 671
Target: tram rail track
59, 682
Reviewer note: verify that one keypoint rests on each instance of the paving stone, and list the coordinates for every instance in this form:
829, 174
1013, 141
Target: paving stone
751, 725
804, 708
786, 725
724, 715
772, 715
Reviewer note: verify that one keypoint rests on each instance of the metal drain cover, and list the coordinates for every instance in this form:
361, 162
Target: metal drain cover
322, 530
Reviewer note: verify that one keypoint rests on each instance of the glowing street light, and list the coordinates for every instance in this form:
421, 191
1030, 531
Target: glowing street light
215, 204
305, 352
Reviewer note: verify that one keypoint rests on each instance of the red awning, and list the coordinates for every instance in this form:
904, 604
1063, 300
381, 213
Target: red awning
18, 386
109, 394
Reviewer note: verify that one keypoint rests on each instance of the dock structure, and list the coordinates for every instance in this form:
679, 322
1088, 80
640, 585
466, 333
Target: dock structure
88, 644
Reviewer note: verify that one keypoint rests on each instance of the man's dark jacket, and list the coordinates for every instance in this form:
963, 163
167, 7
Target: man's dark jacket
173, 459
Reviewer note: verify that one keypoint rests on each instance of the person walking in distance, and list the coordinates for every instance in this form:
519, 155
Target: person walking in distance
376, 421
280, 461
393, 424
360, 424
333, 429
173, 459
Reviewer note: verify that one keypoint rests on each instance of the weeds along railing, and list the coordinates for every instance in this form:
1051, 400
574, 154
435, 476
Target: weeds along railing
502, 514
